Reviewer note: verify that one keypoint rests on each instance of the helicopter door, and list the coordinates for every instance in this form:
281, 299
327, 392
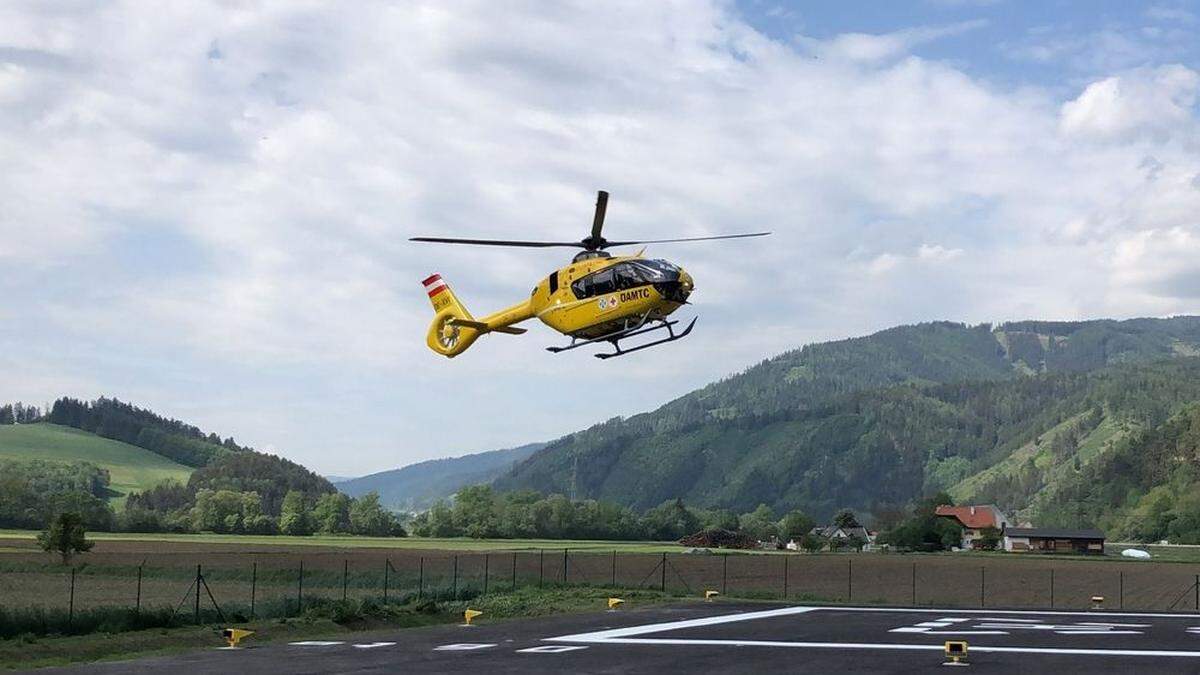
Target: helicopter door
603, 282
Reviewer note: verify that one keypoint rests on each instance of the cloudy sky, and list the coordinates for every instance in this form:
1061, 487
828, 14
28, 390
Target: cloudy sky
204, 208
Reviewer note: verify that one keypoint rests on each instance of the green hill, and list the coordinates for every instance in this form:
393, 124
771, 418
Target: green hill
1005, 414
131, 468
417, 486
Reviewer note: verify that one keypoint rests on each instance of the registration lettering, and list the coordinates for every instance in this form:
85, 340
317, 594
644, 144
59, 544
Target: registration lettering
635, 294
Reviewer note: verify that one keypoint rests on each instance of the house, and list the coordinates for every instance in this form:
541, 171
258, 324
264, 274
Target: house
1054, 540
840, 536
974, 519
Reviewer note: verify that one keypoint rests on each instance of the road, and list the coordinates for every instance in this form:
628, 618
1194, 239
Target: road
731, 637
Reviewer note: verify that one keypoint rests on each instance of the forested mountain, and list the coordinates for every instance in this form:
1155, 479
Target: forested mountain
417, 486
1007, 414
110, 418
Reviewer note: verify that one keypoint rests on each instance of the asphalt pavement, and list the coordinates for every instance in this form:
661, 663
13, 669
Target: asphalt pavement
730, 637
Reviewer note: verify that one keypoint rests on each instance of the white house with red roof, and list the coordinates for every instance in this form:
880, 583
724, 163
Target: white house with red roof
974, 518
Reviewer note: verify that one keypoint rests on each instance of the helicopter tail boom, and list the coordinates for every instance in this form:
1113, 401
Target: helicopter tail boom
454, 329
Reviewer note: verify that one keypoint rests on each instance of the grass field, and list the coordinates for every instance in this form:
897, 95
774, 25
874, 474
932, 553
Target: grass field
131, 469
340, 621
340, 541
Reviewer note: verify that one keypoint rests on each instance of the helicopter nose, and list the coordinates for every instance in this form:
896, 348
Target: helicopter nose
685, 282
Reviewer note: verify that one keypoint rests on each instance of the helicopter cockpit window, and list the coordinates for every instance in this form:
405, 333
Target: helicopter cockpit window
627, 276
603, 282
655, 270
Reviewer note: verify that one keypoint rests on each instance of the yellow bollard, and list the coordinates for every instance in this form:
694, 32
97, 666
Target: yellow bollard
709, 595
469, 615
613, 603
956, 651
234, 635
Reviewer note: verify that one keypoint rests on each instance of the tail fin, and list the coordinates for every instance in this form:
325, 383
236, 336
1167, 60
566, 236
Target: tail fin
447, 337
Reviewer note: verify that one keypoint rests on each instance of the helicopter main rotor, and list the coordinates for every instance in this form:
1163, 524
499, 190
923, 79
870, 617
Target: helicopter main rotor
593, 242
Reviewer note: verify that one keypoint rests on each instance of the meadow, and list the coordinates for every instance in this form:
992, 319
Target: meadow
130, 468
280, 575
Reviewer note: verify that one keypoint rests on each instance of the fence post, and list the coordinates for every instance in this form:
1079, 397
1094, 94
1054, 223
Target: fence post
724, 573
387, 564
420, 577
137, 608
71, 602
849, 579
541, 566
1051, 588
564, 567
1197, 589
663, 583
345, 576
614, 568
486, 556
914, 584
1121, 590
455, 588
785, 576
253, 586
196, 609
982, 577
514, 570
300, 589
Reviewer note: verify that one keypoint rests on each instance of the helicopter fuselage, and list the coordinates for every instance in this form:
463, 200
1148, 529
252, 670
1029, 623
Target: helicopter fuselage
595, 295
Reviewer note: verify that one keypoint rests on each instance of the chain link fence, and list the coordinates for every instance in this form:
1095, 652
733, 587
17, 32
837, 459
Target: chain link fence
191, 587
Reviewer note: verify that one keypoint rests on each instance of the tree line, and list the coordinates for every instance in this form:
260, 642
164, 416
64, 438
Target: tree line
480, 511
116, 420
19, 413
34, 493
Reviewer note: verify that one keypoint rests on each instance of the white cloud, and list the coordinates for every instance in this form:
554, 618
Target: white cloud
213, 204
872, 47
1149, 101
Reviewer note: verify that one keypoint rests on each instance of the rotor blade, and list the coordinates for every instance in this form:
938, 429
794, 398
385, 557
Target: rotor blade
668, 241
598, 220
497, 242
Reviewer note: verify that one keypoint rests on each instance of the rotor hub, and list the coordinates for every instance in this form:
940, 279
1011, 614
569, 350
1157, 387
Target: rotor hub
588, 255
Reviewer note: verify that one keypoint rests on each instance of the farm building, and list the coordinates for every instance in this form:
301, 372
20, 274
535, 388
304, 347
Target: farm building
974, 519
1053, 540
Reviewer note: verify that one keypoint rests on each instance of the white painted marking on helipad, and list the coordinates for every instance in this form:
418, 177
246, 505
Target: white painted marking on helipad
463, 647
373, 645
316, 643
1098, 632
694, 623
625, 636
884, 645
551, 649
924, 630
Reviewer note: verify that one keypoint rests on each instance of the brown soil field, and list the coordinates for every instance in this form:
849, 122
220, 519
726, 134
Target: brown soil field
107, 576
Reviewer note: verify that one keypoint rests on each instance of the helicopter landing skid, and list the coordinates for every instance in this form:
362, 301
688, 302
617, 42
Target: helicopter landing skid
615, 338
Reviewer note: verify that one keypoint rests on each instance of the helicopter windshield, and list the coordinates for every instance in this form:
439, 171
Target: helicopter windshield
654, 270
624, 276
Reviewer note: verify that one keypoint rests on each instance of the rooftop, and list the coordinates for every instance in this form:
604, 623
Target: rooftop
974, 517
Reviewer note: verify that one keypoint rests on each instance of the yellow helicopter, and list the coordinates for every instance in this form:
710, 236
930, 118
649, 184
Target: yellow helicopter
597, 298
